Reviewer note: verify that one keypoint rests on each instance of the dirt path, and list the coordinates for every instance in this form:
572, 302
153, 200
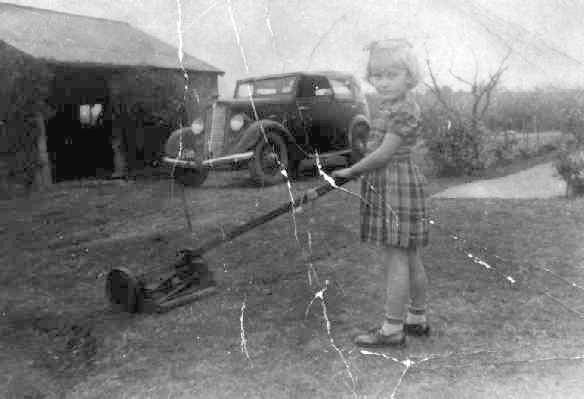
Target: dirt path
537, 182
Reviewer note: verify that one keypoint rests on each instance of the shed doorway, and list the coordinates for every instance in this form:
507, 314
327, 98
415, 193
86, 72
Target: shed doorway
79, 134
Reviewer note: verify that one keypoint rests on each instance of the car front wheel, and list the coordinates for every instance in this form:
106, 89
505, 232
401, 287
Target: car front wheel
269, 158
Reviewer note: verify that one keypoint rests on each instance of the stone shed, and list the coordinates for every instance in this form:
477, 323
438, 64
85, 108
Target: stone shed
89, 97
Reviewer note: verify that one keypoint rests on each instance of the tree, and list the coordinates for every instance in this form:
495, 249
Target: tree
24, 91
457, 141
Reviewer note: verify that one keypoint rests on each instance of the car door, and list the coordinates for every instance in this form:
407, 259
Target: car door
314, 103
345, 104
345, 108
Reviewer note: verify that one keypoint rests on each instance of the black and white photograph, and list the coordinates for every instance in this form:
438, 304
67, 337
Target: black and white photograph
291, 199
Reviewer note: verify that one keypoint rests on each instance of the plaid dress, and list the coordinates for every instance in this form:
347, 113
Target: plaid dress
393, 206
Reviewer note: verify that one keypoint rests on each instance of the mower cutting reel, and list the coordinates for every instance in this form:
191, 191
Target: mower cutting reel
162, 290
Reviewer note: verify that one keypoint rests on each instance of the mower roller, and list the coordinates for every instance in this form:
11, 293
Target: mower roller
189, 278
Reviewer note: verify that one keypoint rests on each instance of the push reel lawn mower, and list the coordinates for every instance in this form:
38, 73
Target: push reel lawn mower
189, 278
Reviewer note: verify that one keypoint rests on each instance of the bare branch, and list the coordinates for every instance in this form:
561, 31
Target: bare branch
488, 91
476, 71
435, 88
494, 78
492, 83
460, 79
485, 105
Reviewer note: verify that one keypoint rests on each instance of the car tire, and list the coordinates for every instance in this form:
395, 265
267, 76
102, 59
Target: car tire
359, 138
264, 167
191, 177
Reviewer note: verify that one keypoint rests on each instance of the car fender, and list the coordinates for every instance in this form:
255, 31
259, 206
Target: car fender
184, 139
357, 120
253, 133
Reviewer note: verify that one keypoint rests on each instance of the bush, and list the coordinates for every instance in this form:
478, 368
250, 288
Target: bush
547, 148
24, 90
499, 149
574, 116
453, 146
569, 165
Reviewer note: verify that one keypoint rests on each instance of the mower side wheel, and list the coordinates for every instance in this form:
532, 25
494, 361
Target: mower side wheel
123, 291
191, 177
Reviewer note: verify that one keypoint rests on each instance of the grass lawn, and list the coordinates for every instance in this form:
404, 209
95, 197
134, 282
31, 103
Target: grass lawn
491, 338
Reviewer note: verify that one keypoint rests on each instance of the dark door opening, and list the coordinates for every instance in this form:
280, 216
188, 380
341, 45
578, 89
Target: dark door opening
79, 134
79, 149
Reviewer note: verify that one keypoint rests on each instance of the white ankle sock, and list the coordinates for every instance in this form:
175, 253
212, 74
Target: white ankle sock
388, 328
413, 318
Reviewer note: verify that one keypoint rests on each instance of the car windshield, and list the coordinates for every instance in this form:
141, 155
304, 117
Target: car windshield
266, 87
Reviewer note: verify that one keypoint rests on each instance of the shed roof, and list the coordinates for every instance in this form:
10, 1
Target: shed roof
76, 39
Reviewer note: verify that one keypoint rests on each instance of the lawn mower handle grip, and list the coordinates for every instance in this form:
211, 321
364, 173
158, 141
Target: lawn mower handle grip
308, 196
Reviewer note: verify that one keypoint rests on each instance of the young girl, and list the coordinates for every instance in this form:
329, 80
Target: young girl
393, 206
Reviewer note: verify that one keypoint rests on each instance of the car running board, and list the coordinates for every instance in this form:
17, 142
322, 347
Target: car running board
330, 154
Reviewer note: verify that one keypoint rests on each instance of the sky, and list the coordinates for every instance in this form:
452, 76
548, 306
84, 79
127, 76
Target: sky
460, 40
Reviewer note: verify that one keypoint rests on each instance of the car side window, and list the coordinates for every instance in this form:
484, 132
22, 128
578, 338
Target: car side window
341, 89
322, 87
314, 86
288, 84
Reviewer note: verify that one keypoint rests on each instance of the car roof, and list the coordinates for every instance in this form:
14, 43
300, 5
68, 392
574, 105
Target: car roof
328, 73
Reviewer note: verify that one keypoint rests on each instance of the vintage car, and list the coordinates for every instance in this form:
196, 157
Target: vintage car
273, 123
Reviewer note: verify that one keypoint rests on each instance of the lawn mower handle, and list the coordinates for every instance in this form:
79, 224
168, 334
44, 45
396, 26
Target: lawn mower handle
309, 195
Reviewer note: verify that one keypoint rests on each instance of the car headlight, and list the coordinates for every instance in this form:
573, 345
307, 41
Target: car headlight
236, 122
197, 126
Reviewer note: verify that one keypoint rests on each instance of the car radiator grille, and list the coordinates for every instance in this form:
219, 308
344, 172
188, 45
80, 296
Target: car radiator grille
215, 130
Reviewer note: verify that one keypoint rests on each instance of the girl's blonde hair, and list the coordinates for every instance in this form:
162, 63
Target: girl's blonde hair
394, 52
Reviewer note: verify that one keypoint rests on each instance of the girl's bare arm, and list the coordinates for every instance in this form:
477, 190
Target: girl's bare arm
379, 157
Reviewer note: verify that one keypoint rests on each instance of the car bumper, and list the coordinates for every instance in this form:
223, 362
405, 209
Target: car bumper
209, 163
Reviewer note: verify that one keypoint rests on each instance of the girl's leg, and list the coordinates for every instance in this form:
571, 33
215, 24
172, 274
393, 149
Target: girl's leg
418, 282
416, 322
397, 277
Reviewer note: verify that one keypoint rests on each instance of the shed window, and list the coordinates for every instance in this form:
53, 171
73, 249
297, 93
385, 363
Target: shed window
90, 114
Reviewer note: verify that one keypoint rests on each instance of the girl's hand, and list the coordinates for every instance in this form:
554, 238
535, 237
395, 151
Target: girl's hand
345, 173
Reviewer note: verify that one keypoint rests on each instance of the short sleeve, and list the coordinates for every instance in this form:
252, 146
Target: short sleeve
404, 120
379, 124
376, 133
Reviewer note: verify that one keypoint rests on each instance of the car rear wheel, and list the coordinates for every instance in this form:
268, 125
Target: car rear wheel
270, 156
191, 177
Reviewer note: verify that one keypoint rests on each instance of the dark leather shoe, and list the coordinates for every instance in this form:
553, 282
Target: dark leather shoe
374, 338
417, 329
